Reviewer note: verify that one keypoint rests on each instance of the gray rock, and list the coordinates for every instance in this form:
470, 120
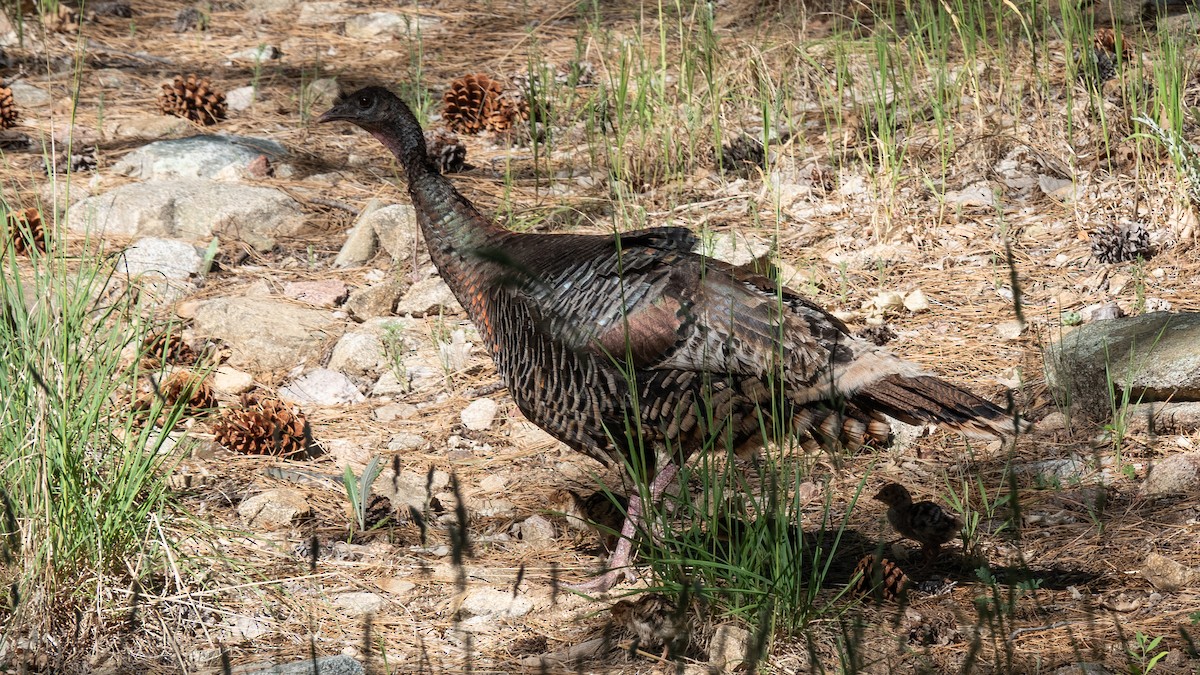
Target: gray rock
409, 487
27, 96
359, 354
359, 604
729, 646
190, 209
146, 127
1168, 575
170, 258
263, 334
375, 300
1068, 471
325, 293
535, 530
491, 602
396, 411
270, 6
196, 157
396, 228
428, 297
240, 99
392, 384
1083, 668
274, 509
326, 665
320, 94
389, 24
1173, 476
229, 380
479, 414
257, 54
1152, 357
406, 441
321, 387
361, 242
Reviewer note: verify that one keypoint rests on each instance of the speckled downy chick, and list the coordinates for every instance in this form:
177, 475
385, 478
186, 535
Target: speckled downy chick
923, 522
656, 621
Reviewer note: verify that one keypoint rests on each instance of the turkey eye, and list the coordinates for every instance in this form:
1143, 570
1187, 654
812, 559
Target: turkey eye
364, 102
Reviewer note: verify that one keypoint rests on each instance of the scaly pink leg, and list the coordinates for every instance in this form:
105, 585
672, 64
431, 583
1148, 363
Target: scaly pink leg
618, 562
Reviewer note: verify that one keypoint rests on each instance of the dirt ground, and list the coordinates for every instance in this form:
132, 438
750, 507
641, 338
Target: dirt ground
849, 224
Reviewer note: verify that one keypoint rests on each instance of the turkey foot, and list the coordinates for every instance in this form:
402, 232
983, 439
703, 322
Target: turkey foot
619, 562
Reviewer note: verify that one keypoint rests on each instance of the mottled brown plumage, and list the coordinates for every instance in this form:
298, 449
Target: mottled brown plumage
634, 346
655, 620
923, 522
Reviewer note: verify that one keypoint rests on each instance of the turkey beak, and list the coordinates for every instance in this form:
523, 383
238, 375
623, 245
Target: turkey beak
879, 496
334, 114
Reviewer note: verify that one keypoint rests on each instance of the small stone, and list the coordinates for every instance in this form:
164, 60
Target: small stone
493, 483
395, 411
240, 99
320, 94
259, 54
479, 414
359, 604
535, 530
321, 387
230, 380
916, 302
375, 300
1101, 312
326, 665
168, 258
274, 509
491, 602
396, 586
977, 194
888, 300
406, 441
1010, 330
729, 646
27, 96
1169, 575
428, 297
327, 293
1176, 475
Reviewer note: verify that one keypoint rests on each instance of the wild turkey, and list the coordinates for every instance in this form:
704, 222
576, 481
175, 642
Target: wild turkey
635, 350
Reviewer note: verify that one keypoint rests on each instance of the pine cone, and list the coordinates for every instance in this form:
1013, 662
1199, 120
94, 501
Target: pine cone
166, 347
743, 155
192, 98
262, 426
81, 161
444, 150
25, 231
185, 385
881, 579
1120, 243
508, 109
469, 101
8, 109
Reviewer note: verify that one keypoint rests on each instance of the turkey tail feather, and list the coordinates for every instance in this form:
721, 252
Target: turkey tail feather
923, 399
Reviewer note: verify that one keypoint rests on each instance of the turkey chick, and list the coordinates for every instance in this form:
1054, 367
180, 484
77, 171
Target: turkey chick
923, 522
655, 620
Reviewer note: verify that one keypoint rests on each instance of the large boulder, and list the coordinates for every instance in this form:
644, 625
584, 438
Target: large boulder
1152, 357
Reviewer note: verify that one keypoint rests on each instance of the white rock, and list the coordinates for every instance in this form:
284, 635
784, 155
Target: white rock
229, 380
240, 99
406, 441
916, 301
359, 604
428, 297
976, 194
887, 301
169, 258
495, 603
202, 156
479, 414
535, 530
728, 647
322, 387
274, 509
1010, 330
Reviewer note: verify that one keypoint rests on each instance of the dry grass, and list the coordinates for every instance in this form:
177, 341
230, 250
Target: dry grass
260, 595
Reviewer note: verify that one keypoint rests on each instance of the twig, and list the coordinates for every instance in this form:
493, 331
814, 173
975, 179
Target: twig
1033, 629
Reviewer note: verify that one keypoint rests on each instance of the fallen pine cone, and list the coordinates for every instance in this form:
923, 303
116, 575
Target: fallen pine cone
192, 98
262, 426
880, 579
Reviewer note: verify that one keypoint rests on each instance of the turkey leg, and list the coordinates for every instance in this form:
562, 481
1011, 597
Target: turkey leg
618, 562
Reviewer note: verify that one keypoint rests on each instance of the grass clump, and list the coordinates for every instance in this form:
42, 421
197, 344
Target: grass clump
83, 485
